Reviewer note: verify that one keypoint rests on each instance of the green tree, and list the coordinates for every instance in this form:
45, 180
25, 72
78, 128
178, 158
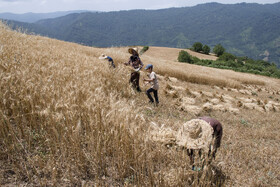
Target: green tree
227, 57
184, 56
219, 50
206, 49
197, 46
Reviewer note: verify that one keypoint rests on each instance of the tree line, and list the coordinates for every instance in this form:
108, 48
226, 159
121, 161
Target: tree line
229, 61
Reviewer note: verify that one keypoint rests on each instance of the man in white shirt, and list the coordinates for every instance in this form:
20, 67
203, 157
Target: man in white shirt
154, 84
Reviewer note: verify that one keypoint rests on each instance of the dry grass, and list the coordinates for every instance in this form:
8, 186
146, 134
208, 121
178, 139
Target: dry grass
68, 119
165, 60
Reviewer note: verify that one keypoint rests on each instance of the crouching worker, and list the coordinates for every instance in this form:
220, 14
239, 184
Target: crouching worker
110, 60
217, 134
154, 84
137, 65
202, 137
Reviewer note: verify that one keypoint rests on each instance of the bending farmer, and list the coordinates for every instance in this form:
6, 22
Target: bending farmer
110, 60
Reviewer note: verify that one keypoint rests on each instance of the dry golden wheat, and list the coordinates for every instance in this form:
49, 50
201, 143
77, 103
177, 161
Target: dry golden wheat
67, 118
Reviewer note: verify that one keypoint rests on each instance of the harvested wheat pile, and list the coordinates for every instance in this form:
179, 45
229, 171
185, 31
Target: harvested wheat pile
188, 100
192, 109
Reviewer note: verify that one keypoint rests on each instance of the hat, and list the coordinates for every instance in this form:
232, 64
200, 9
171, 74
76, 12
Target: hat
102, 57
195, 134
149, 66
133, 51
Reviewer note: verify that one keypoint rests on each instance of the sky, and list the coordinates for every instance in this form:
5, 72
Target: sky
44, 6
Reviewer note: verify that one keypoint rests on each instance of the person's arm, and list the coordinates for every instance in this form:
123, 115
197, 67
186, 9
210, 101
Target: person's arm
152, 77
148, 80
141, 63
127, 63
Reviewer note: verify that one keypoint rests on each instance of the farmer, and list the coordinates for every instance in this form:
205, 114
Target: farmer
136, 64
217, 134
154, 84
197, 135
110, 60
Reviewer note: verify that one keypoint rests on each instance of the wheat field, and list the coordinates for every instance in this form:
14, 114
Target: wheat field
68, 119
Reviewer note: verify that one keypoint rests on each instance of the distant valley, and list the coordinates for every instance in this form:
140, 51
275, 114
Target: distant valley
243, 29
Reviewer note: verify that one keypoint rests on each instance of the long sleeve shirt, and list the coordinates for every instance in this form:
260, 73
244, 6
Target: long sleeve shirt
217, 127
135, 62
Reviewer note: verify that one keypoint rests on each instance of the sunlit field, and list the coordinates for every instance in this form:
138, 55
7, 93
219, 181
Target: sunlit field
69, 119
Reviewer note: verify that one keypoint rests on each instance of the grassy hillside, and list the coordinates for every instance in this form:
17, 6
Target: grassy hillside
243, 29
68, 119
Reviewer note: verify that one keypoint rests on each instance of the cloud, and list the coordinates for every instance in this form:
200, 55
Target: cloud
12, 0
41, 6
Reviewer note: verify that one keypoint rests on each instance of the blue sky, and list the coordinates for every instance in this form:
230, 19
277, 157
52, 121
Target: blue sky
42, 6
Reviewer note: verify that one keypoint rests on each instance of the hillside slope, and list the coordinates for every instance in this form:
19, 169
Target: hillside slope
33, 17
243, 29
68, 119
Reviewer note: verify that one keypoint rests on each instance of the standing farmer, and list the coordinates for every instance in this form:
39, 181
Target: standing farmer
136, 64
154, 84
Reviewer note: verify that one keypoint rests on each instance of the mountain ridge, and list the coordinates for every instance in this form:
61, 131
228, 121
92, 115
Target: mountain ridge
31, 17
244, 29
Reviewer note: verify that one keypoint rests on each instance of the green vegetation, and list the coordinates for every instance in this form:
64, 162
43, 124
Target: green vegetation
200, 48
144, 49
226, 57
219, 50
240, 64
197, 47
206, 49
184, 56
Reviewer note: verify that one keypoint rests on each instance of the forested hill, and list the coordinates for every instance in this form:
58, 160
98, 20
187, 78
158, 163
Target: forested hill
33, 17
251, 30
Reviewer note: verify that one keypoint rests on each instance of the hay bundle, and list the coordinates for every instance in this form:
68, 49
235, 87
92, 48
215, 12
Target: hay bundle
269, 107
208, 107
188, 100
195, 94
233, 110
220, 107
207, 94
260, 109
172, 93
162, 134
192, 109
215, 101
250, 106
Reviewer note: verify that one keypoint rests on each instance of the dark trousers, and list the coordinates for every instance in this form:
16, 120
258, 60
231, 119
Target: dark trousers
112, 63
134, 79
148, 92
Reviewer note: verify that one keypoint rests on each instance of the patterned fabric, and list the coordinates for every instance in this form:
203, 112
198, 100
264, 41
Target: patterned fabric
135, 62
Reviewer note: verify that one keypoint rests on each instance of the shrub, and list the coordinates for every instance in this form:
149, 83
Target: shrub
197, 46
184, 56
227, 57
206, 49
219, 50
195, 60
271, 69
